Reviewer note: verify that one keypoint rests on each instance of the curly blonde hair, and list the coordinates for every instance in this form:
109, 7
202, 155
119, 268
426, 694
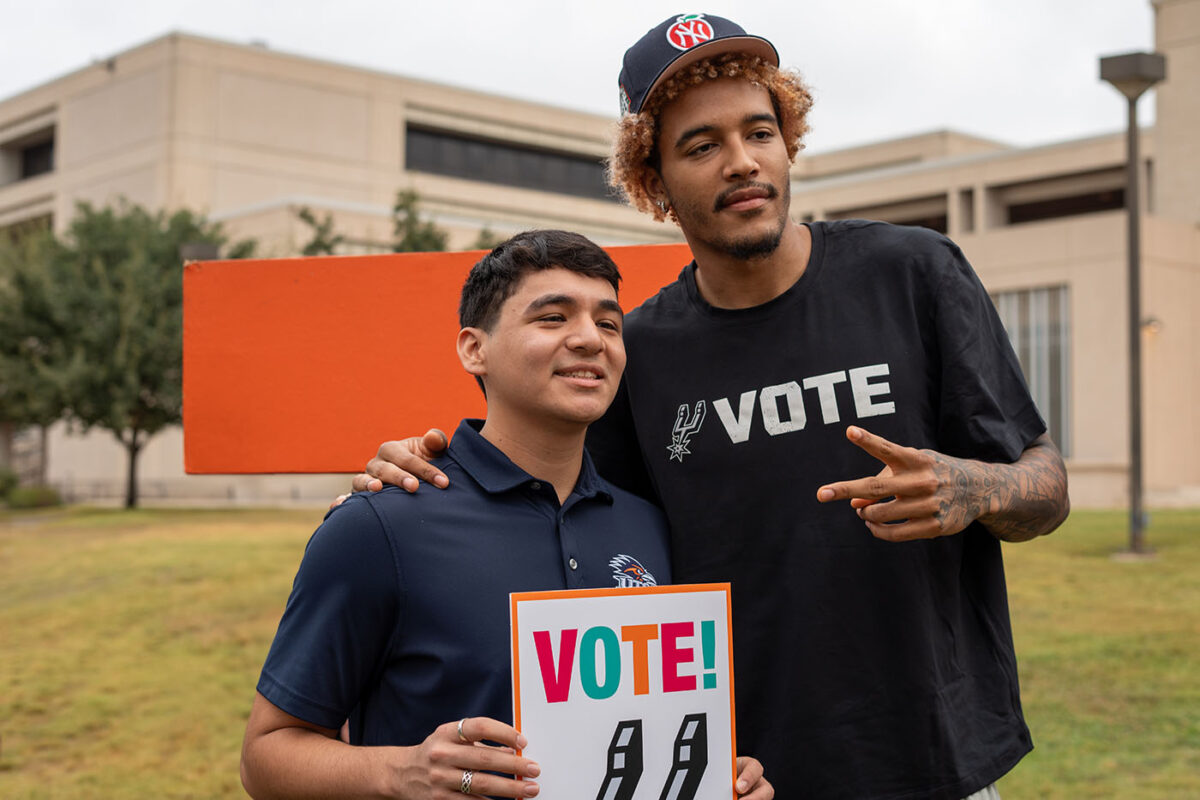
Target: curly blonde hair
635, 143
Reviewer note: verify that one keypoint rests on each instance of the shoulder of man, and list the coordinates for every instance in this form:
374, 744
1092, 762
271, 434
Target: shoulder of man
666, 303
351, 536
887, 237
925, 255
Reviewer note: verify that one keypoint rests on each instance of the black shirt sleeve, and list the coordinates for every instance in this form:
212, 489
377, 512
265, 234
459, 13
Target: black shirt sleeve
986, 412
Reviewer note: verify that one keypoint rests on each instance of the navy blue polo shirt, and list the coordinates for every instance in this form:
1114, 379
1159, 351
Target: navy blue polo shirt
399, 614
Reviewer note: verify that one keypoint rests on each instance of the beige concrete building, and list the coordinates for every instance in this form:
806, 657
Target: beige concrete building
248, 136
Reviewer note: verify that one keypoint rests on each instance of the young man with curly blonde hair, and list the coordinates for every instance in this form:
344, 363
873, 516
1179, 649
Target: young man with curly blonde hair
872, 638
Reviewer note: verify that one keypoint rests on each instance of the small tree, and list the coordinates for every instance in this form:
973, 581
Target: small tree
106, 314
486, 240
411, 233
324, 241
30, 341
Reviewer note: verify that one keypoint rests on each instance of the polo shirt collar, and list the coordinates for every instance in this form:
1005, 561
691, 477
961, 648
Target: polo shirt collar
495, 472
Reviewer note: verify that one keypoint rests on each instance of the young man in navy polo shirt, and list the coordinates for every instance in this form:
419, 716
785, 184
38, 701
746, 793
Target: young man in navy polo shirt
398, 618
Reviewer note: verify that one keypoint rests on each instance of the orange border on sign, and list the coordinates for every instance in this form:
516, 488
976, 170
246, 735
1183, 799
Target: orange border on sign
679, 588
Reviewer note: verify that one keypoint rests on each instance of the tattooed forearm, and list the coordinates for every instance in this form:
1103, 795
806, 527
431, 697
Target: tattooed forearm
1016, 502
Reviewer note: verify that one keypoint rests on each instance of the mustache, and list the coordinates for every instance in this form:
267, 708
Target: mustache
724, 196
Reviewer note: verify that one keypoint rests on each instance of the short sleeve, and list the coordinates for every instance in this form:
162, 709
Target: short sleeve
986, 412
340, 619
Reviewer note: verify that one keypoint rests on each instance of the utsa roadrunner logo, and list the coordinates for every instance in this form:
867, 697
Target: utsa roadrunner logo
685, 426
628, 571
688, 31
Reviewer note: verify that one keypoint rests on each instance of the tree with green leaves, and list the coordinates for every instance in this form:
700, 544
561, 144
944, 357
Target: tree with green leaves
412, 234
104, 312
486, 240
324, 241
30, 342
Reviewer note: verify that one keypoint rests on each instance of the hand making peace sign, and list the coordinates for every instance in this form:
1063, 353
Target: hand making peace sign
931, 494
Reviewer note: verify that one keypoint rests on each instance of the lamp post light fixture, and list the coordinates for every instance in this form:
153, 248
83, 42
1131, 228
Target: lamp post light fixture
198, 251
1132, 74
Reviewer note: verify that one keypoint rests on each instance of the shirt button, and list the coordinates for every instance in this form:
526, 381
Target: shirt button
574, 564
536, 486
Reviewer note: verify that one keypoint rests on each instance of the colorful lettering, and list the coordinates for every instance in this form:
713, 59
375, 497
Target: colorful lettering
708, 645
673, 655
600, 653
607, 639
557, 682
640, 636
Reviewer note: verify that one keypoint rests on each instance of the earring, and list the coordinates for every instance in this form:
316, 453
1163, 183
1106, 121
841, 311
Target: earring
662, 206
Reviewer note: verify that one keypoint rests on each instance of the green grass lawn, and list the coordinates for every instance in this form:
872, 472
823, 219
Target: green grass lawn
1109, 657
130, 643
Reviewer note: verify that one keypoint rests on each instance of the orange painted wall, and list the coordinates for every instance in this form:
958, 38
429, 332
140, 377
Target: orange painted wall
307, 364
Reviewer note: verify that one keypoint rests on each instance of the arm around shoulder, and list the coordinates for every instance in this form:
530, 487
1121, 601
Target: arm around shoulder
404, 463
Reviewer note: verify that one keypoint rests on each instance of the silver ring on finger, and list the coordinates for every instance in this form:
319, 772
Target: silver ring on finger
466, 781
461, 736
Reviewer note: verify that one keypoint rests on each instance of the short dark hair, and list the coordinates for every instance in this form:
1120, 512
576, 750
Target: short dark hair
495, 277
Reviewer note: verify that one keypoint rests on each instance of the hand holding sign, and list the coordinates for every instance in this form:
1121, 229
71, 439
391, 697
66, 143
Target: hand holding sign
931, 494
449, 762
751, 784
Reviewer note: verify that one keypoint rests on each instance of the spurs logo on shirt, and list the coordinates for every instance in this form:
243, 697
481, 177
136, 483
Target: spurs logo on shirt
785, 407
685, 425
628, 571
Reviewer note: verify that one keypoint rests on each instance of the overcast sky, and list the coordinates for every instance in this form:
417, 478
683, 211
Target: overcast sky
1020, 71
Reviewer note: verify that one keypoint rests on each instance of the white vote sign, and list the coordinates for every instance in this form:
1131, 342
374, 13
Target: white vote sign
626, 694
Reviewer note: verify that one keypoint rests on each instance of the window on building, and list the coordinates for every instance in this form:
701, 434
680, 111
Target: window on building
459, 156
27, 156
37, 159
927, 212
1054, 197
937, 222
1038, 324
1071, 206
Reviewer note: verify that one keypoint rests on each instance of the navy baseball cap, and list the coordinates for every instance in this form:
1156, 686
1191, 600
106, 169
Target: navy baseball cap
676, 43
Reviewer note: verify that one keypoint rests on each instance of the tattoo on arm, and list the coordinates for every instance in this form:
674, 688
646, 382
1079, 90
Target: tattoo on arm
1016, 502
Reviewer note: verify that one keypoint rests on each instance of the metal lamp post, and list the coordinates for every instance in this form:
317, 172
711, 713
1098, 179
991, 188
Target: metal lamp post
1132, 74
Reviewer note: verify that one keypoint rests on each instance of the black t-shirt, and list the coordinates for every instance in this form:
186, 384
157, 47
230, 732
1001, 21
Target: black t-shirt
864, 668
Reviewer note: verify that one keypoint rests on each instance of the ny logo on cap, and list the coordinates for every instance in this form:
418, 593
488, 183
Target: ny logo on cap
688, 31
